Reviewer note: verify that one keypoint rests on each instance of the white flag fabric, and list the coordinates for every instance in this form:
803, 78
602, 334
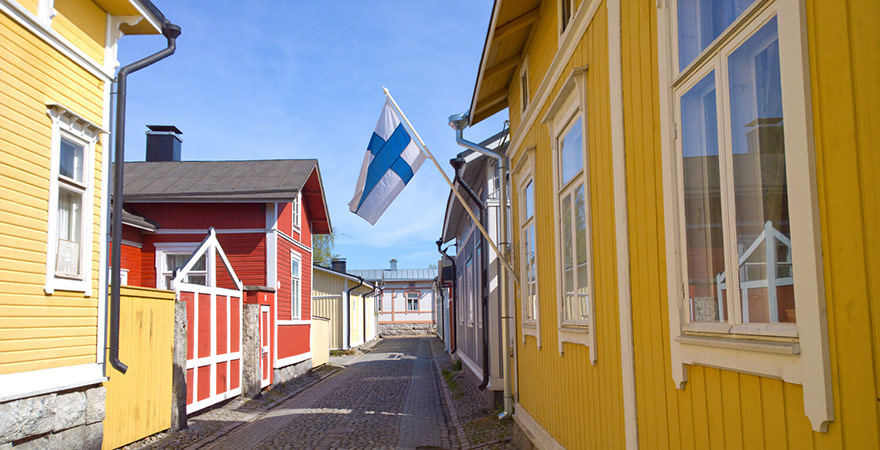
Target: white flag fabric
391, 161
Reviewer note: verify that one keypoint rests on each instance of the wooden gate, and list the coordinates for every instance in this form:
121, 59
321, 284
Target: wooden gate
265, 329
213, 296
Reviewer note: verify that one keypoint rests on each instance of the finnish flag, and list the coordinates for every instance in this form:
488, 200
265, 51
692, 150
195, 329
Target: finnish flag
391, 161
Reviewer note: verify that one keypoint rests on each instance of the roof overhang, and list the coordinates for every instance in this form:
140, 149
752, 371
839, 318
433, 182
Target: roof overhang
508, 33
315, 201
337, 273
152, 21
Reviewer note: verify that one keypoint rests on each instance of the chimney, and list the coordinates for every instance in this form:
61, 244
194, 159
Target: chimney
393, 264
338, 264
163, 143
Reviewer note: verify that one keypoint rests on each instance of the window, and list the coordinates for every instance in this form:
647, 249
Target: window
412, 301
295, 210
567, 120
460, 299
295, 287
71, 198
469, 289
743, 246
524, 84
478, 278
528, 257
566, 10
172, 260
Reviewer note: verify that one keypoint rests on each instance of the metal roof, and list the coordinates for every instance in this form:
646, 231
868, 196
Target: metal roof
396, 275
347, 275
261, 180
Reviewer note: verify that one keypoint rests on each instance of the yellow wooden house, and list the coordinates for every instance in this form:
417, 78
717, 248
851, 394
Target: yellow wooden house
57, 65
695, 209
348, 302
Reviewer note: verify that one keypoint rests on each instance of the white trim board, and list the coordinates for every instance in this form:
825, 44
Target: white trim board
36, 382
621, 230
282, 363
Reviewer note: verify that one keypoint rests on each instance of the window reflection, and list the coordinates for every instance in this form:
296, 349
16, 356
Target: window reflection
701, 21
702, 203
763, 234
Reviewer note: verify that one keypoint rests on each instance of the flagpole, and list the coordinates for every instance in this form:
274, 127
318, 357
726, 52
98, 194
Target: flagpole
424, 149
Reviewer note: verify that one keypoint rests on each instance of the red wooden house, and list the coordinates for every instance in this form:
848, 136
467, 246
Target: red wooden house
264, 214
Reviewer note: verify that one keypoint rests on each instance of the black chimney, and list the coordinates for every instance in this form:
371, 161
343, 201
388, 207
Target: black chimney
338, 265
163, 143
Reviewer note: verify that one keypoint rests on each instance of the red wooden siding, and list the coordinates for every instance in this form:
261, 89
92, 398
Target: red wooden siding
283, 293
202, 215
246, 253
235, 333
221, 326
204, 382
204, 331
187, 297
131, 261
285, 218
221, 375
234, 378
293, 340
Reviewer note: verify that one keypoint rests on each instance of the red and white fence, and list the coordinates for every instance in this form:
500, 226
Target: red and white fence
214, 326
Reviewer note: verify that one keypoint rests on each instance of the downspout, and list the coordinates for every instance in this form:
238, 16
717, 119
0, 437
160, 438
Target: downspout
459, 122
364, 331
171, 32
452, 333
457, 164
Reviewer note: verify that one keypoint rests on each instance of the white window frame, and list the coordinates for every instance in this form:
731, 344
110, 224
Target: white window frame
524, 84
417, 300
524, 172
295, 291
569, 106
564, 24
469, 289
71, 126
803, 359
295, 207
172, 248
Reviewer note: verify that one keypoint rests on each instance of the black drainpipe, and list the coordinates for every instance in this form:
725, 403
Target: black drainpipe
452, 332
171, 32
361, 283
457, 163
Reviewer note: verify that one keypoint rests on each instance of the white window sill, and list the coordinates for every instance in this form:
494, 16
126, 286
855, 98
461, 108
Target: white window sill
751, 345
789, 330
69, 285
575, 335
530, 328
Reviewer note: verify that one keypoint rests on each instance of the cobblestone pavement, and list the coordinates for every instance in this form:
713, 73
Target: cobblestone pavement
390, 397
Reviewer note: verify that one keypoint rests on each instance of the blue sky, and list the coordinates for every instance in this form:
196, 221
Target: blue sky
297, 79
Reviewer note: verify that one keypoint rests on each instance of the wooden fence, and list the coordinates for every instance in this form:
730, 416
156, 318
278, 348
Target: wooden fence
320, 341
139, 403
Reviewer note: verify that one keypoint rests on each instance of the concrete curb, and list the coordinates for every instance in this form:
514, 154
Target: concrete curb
450, 405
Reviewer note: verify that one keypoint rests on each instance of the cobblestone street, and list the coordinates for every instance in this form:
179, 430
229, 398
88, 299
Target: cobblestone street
387, 398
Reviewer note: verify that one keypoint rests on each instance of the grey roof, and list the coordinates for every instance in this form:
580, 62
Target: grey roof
396, 275
348, 275
261, 180
131, 219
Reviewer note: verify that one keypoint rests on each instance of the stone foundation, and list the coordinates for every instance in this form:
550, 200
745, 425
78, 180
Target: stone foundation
407, 329
521, 439
287, 373
250, 351
67, 419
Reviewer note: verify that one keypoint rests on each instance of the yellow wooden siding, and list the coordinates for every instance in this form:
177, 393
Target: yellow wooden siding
138, 403
39, 331
330, 308
326, 284
30, 5
84, 24
357, 318
723, 409
577, 403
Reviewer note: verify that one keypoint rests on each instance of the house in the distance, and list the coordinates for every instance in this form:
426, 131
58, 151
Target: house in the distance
407, 305
348, 302
264, 214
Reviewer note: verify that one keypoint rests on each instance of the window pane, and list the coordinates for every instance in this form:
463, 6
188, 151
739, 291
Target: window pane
69, 215
71, 164
531, 273
201, 263
702, 203
567, 261
294, 268
701, 21
571, 157
528, 200
763, 233
580, 230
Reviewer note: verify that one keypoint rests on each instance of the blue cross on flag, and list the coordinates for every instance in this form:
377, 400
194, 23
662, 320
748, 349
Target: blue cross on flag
391, 161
